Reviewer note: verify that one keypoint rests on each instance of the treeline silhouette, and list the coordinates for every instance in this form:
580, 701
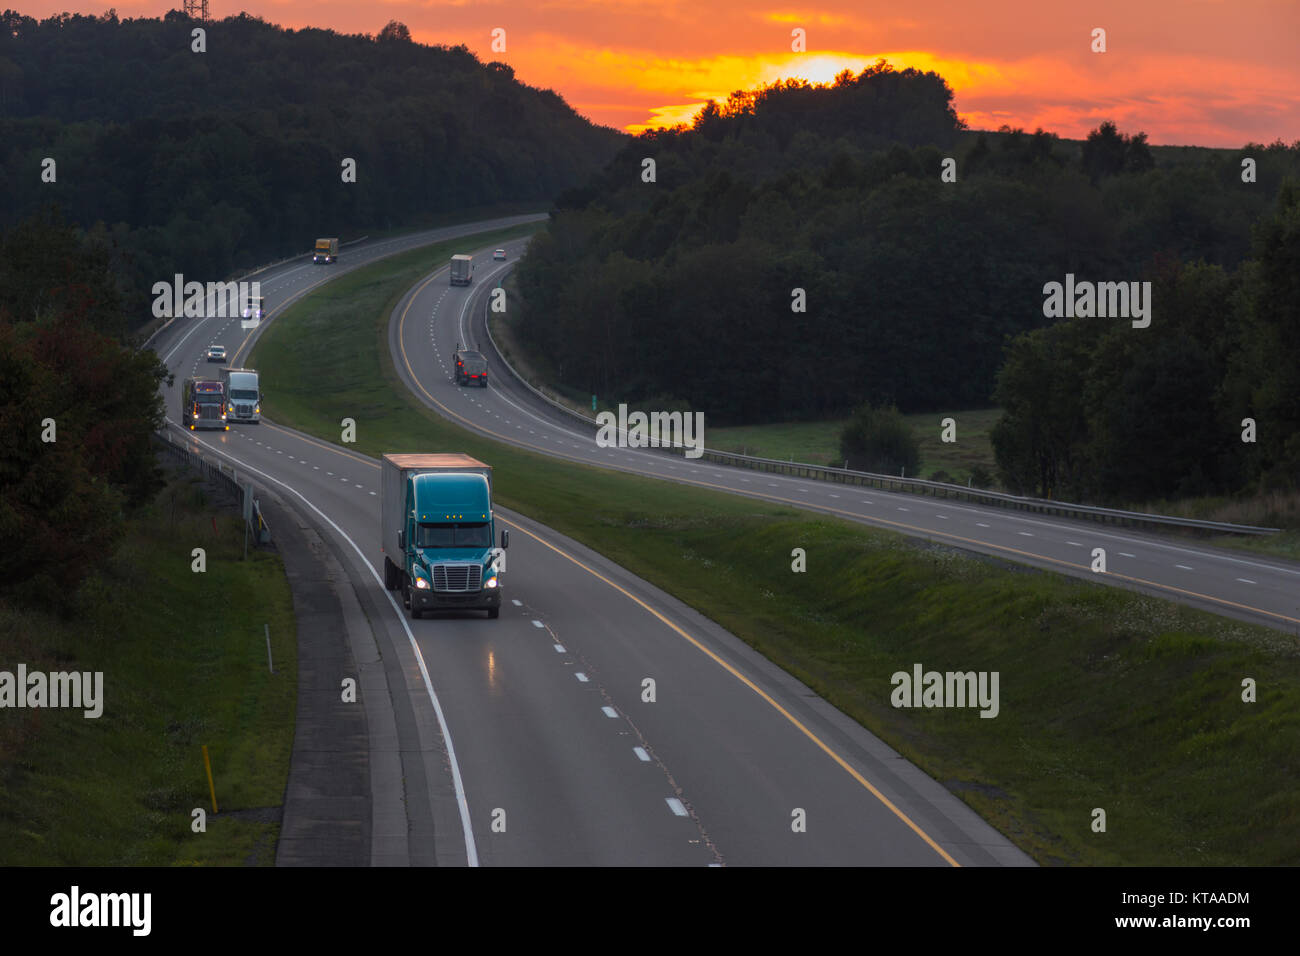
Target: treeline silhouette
203, 163
681, 289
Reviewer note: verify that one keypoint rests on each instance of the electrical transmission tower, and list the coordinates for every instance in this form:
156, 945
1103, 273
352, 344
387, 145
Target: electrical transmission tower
197, 9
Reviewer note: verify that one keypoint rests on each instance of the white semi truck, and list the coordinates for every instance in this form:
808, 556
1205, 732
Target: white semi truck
243, 395
462, 270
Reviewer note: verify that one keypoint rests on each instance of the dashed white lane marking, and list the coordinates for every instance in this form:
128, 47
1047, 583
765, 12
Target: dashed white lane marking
1127, 555
944, 517
536, 623
1025, 534
609, 711
1245, 580
676, 806
516, 602
904, 509
372, 493
866, 502
981, 524
1184, 567
834, 496
1075, 543
356, 484
641, 754
581, 676
559, 649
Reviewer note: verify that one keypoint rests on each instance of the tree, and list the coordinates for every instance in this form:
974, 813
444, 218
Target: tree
394, 31
879, 440
1040, 439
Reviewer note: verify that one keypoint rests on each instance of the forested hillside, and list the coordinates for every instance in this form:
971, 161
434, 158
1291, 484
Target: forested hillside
681, 289
206, 162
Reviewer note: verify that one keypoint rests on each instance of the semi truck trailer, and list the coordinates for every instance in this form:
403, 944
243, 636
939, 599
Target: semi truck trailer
462, 270
437, 533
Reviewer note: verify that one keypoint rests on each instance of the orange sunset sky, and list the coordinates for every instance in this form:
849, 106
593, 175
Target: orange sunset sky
1204, 72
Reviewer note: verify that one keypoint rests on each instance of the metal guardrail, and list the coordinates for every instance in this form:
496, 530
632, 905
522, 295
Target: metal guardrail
797, 469
224, 476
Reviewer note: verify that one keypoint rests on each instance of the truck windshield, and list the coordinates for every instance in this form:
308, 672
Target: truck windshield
208, 398
453, 536
244, 394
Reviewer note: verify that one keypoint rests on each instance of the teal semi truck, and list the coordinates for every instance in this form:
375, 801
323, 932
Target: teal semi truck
437, 532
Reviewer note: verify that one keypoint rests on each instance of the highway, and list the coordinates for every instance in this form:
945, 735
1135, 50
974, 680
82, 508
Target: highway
535, 742
427, 325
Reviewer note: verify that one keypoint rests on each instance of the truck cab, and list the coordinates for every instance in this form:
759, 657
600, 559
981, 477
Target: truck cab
203, 404
243, 395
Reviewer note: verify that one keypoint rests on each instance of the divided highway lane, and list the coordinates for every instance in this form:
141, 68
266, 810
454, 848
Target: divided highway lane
544, 709
428, 323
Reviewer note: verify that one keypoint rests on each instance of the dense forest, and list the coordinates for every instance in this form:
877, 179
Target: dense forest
679, 291
77, 411
203, 163
1206, 400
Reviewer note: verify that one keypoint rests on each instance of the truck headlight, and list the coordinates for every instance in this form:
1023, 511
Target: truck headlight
257, 409
491, 582
421, 583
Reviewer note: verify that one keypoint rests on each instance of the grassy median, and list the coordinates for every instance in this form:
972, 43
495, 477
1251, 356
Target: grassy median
1108, 699
183, 657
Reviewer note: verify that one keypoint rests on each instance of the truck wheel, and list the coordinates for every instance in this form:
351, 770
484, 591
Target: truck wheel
408, 599
494, 613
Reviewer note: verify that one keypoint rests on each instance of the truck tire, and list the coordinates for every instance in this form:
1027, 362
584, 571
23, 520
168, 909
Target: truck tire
494, 613
391, 579
408, 598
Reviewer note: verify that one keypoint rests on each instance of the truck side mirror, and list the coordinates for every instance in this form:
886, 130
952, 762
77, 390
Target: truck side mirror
505, 538
401, 541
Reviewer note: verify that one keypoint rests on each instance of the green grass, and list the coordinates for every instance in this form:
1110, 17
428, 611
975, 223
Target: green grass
1108, 699
183, 656
818, 443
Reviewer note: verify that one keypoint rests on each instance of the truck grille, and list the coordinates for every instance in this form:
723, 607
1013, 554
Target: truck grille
244, 411
457, 577
210, 412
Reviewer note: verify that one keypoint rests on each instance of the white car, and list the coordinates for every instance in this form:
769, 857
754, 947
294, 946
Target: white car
216, 353
498, 254
254, 310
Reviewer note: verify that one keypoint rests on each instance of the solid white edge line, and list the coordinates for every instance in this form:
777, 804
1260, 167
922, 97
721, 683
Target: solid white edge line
471, 849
